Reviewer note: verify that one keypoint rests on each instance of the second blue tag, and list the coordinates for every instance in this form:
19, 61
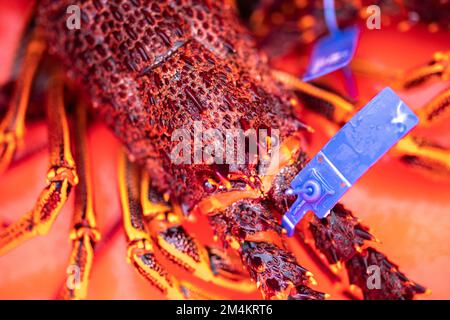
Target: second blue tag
332, 53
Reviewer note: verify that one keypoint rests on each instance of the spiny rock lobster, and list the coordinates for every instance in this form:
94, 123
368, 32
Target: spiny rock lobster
149, 68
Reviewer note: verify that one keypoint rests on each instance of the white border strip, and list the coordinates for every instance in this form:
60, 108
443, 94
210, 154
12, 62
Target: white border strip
336, 170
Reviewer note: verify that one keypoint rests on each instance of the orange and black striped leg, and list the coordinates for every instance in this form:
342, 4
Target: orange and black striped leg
61, 176
437, 69
324, 102
84, 233
377, 71
12, 126
419, 151
209, 264
141, 248
435, 110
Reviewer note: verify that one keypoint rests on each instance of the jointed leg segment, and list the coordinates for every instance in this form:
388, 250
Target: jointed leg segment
84, 233
61, 176
140, 249
12, 126
149, 221
177, 245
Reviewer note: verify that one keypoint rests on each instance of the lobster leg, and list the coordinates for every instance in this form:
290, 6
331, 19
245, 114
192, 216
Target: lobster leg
209, 264
61, 176
141, 248
423, 154
409, 150
84, 233
5, 95
12, 126
437, 108
438, 69
249, 227
331, 105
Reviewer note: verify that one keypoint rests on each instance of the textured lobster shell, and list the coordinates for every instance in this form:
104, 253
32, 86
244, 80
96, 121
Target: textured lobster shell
153, 67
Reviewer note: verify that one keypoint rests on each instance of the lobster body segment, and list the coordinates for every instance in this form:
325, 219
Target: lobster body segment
154, 68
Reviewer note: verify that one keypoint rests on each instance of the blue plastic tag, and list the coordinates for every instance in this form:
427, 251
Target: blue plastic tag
348, 155
332, 53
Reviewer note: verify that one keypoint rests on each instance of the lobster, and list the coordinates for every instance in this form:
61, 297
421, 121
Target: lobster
148, 69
